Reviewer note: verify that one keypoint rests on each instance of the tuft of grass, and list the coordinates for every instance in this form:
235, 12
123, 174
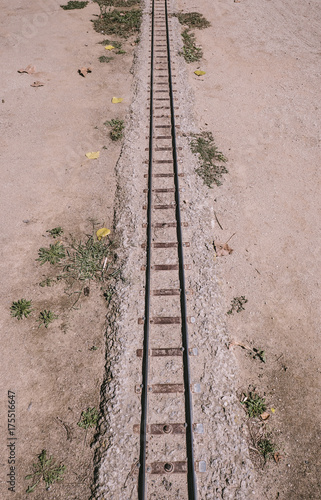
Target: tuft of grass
46, 282
53, 254
266, 448
74, 5
105, 5
117, 45
254, 404
46, 317
190, 52
122, 24
55, 232
21, 309
89, 418
105, 59
193, 20
117, 127
47, 470
211, 173
85, 261
237, 304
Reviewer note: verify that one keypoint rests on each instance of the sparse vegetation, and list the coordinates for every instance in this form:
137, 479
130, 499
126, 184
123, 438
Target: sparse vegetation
21, 308
74, 5
122, 24
117, 127
55, 232
237, 304
193, 20
190, 52
46, 317
46, 282
80, 262
47, 470
211, 172
117, 45
53, 254
105, 59
105, 5
89, 418
266, 448
254, 404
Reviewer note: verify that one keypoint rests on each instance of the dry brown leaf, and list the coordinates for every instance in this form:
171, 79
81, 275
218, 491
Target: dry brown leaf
37, 84
223, 249
240, 344
29, 69
83, 71
265, 415
277, 457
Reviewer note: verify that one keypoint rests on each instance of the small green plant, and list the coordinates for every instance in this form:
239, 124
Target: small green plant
46, 282
105, 59
193, 20
47, 470
108, 294
53, 254
209, 156
266, 448
21, 309
116, 45
254, 404
117, 127
89, 418
237, 304
46, 317
190, 52
122, 24
55, 232
74, 5
107, 4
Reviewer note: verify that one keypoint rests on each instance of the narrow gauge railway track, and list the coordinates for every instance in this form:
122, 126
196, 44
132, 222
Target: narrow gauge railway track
166, 428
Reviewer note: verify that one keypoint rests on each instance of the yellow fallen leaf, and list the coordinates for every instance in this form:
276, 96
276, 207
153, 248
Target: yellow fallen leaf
109, 47
93, 155
102, 233
273, 410
199, 72
116, 100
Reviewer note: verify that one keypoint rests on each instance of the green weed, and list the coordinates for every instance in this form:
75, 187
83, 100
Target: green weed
193, 20
47, 470
237, 304
21, 309
74, 5
266, 448
46, 317
89, 418
105, 59
254, 404
117, 127
55, 232
46, 282
53, 254
190, 52
122, 24
209, 155
105, 5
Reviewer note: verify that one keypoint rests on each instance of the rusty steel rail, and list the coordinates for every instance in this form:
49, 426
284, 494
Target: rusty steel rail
162, 98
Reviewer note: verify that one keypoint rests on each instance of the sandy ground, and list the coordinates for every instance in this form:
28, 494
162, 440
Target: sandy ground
260, 98
46, 181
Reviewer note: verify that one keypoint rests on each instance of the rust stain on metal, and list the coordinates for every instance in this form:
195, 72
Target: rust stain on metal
166, 388
167, 467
